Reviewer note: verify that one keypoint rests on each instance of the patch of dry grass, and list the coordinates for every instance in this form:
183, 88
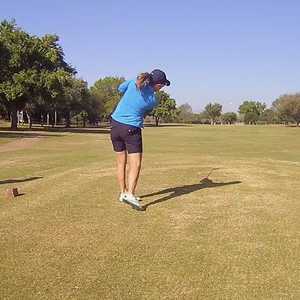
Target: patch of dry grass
234, 236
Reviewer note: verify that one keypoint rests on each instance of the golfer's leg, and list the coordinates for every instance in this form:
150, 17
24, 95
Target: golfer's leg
134, 164
121, 170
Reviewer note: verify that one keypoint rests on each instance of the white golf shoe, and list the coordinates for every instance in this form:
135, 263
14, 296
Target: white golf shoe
132, 201
122, 195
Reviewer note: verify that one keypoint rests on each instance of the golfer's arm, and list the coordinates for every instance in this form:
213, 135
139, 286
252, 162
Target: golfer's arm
123, 86
147, 112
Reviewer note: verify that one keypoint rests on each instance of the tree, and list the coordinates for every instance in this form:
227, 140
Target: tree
201, 118
251, 111
185, 113
251, 117
48, 94
2, 111
213, 111
166, 108
229, 117
288, 108
30, 67
252, 106
93, 108
105, 92
269, 116
75, 94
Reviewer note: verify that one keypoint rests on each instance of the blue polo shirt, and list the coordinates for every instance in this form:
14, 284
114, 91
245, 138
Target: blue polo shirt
134, 104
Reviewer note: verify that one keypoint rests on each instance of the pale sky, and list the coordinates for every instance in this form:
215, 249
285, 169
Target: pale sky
225, 51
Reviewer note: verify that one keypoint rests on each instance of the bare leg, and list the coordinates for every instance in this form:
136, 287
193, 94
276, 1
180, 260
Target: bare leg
134, 161
121, 170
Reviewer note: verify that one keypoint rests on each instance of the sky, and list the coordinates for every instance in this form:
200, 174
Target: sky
224, 51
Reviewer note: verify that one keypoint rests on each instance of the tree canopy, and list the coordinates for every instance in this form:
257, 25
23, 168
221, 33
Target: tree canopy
166, 108
251, 111
30, 67
288, 108
105, 91
213, 111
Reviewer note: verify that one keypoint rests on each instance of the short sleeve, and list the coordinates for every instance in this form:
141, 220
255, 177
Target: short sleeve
123, 86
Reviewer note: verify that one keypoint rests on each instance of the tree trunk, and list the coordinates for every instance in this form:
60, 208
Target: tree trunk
29, 120
8, 112
156, 121
55, 118
84, 122
14, 116
48, 117
68, 120
52, 120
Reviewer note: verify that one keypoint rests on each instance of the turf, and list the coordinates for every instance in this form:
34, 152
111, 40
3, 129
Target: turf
233, 235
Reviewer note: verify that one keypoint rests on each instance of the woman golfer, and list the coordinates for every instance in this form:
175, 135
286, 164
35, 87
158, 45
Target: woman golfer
126, 123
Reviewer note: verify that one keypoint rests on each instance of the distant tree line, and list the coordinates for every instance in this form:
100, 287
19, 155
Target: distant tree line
285, 110
38, 86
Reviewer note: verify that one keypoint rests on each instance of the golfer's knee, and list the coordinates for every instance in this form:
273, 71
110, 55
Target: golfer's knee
135, 164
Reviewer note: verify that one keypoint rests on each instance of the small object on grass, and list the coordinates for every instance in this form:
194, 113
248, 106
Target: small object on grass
206, 180
12, 193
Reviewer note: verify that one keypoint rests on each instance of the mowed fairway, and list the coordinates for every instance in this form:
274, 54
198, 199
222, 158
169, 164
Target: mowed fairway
232, 236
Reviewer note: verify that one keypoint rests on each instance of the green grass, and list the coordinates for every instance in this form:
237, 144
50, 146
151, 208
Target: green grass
233, 237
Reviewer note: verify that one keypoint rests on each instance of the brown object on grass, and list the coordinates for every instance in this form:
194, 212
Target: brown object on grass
11, 193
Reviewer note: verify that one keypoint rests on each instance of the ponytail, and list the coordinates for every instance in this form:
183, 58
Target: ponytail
143, 80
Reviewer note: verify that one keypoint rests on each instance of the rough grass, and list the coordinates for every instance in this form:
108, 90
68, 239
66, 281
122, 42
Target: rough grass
234, 235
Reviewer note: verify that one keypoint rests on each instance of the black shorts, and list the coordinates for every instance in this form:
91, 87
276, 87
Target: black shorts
126, 137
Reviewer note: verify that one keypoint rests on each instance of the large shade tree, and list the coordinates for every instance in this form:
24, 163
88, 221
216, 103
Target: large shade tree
31, 68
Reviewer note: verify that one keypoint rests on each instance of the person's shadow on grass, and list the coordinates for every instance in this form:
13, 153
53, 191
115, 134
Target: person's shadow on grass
185, 189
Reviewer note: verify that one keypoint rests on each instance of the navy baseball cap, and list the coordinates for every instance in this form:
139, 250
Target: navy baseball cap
159, 76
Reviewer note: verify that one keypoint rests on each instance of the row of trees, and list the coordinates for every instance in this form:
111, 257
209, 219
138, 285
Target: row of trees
285, 109
212, 114
36, 79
